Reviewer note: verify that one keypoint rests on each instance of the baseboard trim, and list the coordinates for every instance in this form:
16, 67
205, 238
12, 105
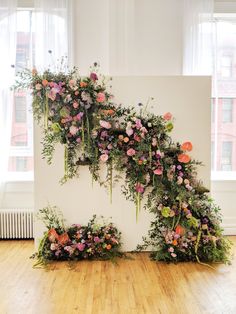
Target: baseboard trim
229, 229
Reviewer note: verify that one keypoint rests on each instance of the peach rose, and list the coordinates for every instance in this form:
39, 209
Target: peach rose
101, 97
131, 152
187, 146
167, 116
83, 84
52, 235
38, 86
45, 82
184, 158
34, 72
105, 124
104, 157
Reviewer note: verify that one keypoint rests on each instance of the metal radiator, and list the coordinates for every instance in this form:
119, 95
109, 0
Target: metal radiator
16, 224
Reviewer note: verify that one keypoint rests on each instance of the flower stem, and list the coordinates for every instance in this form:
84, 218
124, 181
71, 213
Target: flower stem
138, 203
150, 156
83, 143
66, 160
196, 249
111, 179
88, 132
46, 113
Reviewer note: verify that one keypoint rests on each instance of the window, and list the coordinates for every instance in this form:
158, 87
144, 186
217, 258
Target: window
21, 155
212, 110
226, 66
226, 160
212, 155
20, 109
227, 110
223, 133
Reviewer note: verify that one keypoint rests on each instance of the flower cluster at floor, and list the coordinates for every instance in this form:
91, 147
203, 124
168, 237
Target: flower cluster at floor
96, 240
78, 112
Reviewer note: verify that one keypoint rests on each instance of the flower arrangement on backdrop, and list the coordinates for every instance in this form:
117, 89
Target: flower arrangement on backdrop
78, 112
99, 239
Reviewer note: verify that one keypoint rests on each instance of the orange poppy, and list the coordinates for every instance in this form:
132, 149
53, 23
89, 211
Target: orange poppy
44, 82
52, 235
108, 247
174, 242
184, 158
63, 238
83, 84
187, 146
180, 230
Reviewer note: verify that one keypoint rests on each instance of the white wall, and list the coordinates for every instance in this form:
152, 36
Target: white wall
132, 37
188, 98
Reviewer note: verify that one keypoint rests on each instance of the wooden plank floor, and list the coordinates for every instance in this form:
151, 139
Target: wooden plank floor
133, 286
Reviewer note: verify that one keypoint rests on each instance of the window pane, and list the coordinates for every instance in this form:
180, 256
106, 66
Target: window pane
226, 160
20, 109
223, 134
227, 110
20, 163
21, 160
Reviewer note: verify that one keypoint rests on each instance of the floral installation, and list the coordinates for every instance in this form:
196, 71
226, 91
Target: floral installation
99, 239
78, 112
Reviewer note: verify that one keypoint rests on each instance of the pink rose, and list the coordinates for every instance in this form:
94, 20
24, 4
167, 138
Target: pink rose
167, 116
104, 157
73, 130
154, 141
97, 239
129, 131
79, 116
138, 124
75, 105
139, 188
80, 246
158, 171
101, 97
105, 124
131, 152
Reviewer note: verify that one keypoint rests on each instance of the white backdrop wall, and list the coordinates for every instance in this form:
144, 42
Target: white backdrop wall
133, 37
188, 98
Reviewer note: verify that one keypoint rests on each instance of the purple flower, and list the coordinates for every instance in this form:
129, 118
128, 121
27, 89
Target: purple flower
79, 116
93, 76
58, 252
104, 134
179, 167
